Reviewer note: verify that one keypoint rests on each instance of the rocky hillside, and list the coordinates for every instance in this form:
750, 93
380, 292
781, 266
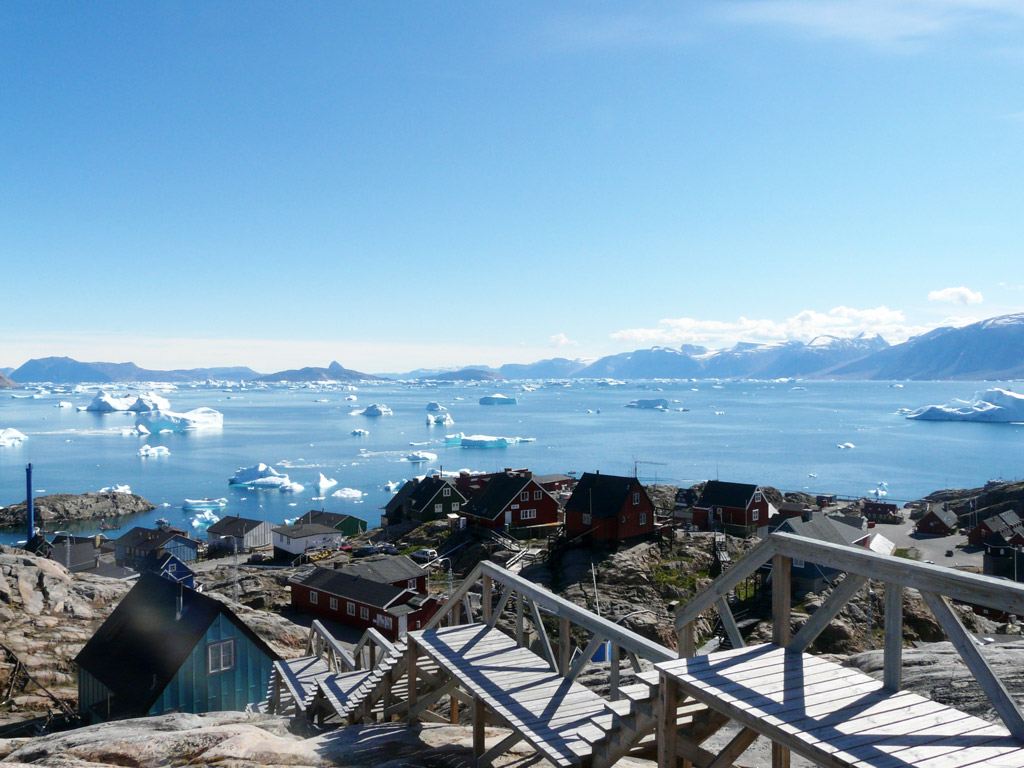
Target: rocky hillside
63, 507
6, 383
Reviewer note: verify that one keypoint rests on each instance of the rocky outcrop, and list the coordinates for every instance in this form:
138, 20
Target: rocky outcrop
6, 383
64, 507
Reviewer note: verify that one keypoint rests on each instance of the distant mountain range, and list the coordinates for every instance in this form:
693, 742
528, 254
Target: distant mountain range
990, 349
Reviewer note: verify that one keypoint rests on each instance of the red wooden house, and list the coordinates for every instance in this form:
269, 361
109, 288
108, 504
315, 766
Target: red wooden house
608, 508
511, 499
736, 508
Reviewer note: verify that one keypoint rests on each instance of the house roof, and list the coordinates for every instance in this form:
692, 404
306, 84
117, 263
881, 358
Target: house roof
491, 500
822, 528
427, 489
719, 493
399, 498
302, 530
330, 519
946, 516
150, 538
602, 495
234, 526
141, 646
556, 478
357, 588
155, 562
82, 555
385, 569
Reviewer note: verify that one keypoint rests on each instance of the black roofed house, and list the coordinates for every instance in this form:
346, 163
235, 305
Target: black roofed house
937, 521
736, 508
398, 571
167, 648
297, 539
808, 576
361, 601
608, 508
168, 566
134, 545
350, 525
511, 499
242, 532
556, 483
1007, 522
430, 498
82, 554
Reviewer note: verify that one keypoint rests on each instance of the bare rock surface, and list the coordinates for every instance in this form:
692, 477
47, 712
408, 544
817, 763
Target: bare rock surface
66, 507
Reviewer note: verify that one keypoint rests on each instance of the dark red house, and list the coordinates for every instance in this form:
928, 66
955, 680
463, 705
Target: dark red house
511, 499
608, 508
1008, 523
736, 508
937, 522
361, 602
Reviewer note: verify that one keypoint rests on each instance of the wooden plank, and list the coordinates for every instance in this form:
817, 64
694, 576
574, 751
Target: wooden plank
726, 583
564, 645
822, 617
958, 585
729, 622
500, 748
413, 656
502, 601
585, 657
736, 747
456, 597
519, 617
613, 676
486, 597
687, 644
479, 716
782, 585
543, 635
893, 660
1001, 699
668, 733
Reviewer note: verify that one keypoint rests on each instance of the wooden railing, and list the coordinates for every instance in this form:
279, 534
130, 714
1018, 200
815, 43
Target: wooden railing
367, 653
936, 584
498, 587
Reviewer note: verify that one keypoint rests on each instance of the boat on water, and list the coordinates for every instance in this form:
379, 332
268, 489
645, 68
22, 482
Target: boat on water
161, 522
204, 504
105, 526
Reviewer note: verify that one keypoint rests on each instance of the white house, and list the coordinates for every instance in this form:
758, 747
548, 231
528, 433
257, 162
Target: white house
305, 537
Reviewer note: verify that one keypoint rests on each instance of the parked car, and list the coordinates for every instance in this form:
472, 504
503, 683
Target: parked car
424, 555
364, 551
387, 549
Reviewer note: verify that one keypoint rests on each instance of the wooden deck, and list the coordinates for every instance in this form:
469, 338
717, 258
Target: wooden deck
837, 716
517, 685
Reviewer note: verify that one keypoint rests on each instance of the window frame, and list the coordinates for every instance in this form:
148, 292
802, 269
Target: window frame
364, 613
215, 650
314, 597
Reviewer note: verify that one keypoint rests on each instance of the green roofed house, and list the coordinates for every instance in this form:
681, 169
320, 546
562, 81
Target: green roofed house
350, 525
167, 648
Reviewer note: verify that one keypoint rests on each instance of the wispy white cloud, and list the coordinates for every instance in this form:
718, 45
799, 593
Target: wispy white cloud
560, 340
803, 326
957, 295
873, 21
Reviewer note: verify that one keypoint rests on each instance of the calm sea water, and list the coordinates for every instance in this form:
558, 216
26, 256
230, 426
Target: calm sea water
781, 434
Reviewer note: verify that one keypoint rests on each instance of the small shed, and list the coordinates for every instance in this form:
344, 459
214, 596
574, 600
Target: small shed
350, 525
245, 533
292, 540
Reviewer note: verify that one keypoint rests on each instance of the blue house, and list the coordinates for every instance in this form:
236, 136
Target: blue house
167, 648
168, 566
133, 546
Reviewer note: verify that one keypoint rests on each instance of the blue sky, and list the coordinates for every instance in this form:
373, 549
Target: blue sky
395, 185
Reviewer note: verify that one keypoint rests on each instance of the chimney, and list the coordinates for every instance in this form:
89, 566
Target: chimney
30, 508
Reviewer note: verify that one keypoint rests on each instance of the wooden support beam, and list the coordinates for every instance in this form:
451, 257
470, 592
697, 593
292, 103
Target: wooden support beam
967, 646
634, 662
479, 714
427, 701
668, 731
729, 622
453, 709
583, 658
500, 748
413, 654
455, 598
486, 597
614, 670
564, 645
781, 599
456, 614
502, 602
841, 595
780, 755
467, 606
734, 748
543, 635
519, 619
892, 672
687, 644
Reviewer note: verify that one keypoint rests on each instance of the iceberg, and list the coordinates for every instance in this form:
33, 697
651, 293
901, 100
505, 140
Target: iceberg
992, 405
204, 519
292, 487
259, 476
441, 419
64, 404
497, 399
105, 402
351, 398
417, 457
10, 437
324, 482
659, 404
360, 432
204, 504
348, 494
169, 421
150, 401
153, 451
491, 441
116, 489
374, 409
433, 405
845, 446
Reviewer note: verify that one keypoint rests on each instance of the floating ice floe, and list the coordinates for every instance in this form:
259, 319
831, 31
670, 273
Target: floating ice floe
150, 401
658, 404
360, 432
880, 491
259, 476
348, 494
107, 402
292, 487
204, 519
441, 419
393, 485
197, 419
64, 404
484, 441
153, 451
10, 437
204, 504
433, 405
497, 399
116, 489
373, 409
324, 482
992, 405
845, 446
417, 457
351, 398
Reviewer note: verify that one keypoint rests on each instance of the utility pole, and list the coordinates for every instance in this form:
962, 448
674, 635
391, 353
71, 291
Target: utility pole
235, 539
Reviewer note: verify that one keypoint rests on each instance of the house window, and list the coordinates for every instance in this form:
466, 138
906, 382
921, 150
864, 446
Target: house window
757, 496
643, 518
364, 612
797, 563
446, 492
220, 657
350, 608
455, 506
524, 496
636, 498
439, 507
538, 495
334, 603
387, 622
314, 597
756, 515
528, 514
586, 518
411, 584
